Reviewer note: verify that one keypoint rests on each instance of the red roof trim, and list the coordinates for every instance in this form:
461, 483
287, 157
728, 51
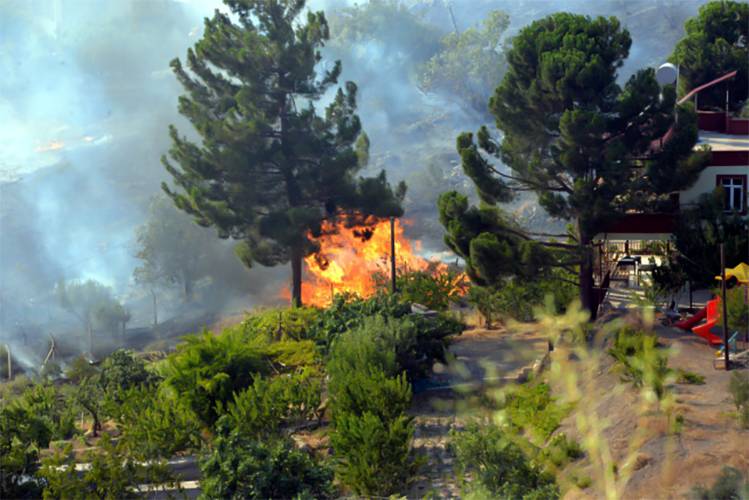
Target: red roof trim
702, 87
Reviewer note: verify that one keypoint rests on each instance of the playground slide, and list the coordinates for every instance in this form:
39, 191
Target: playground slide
687, 324
703, 330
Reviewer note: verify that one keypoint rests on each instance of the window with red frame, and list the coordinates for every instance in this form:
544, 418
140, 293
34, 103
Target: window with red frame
734, 192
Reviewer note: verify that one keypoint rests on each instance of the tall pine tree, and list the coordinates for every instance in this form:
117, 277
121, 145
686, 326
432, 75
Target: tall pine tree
269, 170
587, 147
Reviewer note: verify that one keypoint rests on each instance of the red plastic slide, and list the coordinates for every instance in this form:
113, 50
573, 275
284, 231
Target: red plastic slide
687, 324
703, 330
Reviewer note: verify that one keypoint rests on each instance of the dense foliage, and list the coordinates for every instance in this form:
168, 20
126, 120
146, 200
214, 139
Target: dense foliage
240, 467
715, 44
269, 169
698, 234
499, 467
369, 396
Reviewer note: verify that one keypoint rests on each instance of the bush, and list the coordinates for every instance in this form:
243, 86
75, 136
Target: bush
433, 288
498, 465
371, 433
237, 466
348, 312
154, 426
260, 410
530, 407
373, 454
122, 371
687, 377
738, 386
208, 369
730, 485
518, 300
282, 324
112, 473
640, 361
21, 435
561, 450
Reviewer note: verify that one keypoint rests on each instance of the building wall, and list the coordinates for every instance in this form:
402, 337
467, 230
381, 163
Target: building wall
707, 182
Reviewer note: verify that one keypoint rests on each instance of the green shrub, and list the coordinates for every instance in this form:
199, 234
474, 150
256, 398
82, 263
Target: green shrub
349, 312
208, 369
639, 359
517, 300
530, 407
738, 386
368, 397
373, 455
281, 323
153, 425
433, 288
498, 465
22, 434
561, 450
80, 369
50, 404
237, 466
112, 473
730, 485
687, 377
120, 372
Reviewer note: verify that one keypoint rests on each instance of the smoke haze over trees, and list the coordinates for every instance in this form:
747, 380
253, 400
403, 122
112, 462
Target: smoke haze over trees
87, 94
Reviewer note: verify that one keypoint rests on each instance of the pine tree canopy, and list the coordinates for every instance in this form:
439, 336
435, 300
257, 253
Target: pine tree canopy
590, 150
269, 169
716, 43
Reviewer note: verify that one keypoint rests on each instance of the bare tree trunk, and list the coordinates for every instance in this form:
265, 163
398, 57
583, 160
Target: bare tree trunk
155, 310
585, 276
90, 332
296, 277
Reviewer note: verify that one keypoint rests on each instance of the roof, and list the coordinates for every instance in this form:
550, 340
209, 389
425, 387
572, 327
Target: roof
723, 142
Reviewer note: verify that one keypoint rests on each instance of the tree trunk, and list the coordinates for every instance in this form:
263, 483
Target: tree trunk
155, 310
585, 277
90, 332
296, 277
188, 289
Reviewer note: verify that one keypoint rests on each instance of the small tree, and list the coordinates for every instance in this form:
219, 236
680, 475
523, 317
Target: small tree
471, 64
716, 42
92, 304
173, 251
269, 170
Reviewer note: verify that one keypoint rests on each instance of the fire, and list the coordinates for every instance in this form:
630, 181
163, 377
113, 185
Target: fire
351, 259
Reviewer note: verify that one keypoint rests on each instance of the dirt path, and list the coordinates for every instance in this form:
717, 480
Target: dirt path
479, 357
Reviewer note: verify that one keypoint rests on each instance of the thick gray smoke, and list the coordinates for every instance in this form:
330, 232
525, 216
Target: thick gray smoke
86, 96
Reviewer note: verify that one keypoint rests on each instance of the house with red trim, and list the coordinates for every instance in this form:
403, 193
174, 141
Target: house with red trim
728, 139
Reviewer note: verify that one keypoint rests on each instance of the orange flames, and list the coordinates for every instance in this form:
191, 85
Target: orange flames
349, 262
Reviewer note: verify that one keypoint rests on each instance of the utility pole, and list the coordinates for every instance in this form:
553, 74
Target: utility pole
452, 18
726, 348
392, 255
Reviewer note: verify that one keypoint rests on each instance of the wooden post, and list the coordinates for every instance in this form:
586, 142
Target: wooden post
10, 362
725, 307
392, 254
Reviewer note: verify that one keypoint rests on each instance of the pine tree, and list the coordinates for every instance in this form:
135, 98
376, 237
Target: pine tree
588, 148
269, 170
716, 42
